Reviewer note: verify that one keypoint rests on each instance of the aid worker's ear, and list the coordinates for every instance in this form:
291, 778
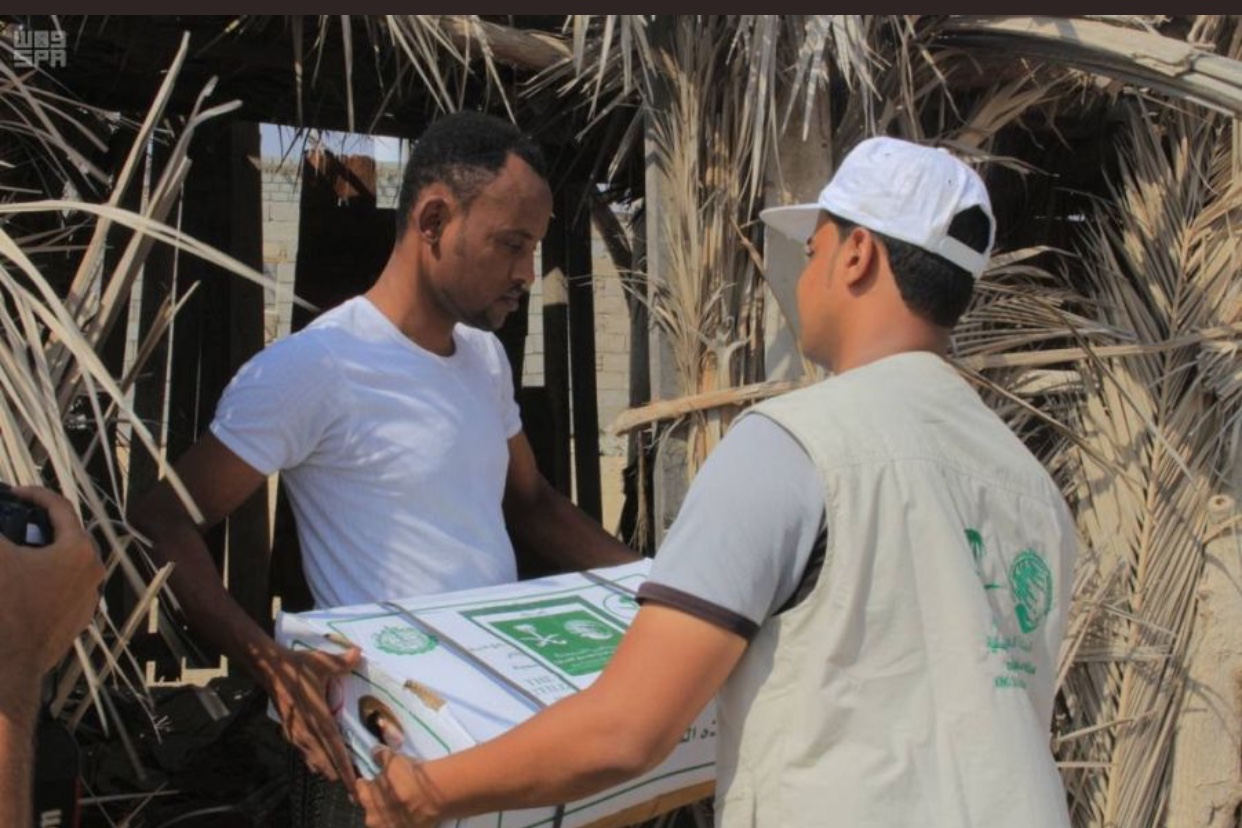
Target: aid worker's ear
860, 253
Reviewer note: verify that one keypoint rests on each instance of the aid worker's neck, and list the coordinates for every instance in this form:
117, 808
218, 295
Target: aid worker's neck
874, 334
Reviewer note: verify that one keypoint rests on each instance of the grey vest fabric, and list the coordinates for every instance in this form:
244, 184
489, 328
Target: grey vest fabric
914, 685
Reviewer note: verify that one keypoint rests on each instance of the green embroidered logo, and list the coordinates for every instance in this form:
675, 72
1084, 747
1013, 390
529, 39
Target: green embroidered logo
404, 641
978, 551
976, 546
1030, 585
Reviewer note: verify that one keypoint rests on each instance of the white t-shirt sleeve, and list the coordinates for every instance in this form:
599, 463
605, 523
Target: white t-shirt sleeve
274, 411
742, 540
503, 372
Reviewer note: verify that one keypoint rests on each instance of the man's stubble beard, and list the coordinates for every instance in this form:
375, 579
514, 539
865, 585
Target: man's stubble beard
483, 322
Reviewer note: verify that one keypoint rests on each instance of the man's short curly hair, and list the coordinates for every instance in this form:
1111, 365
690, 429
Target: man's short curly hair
465, 151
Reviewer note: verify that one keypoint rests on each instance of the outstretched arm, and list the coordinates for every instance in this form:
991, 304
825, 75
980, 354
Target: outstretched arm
545, 521
668, 667
219, 481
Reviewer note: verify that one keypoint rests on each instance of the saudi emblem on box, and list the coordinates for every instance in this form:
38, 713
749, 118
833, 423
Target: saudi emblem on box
443, 673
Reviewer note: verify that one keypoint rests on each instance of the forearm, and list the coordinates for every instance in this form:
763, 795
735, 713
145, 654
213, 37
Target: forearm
560, 532
19, 708
573, 750
666, 669
212, 613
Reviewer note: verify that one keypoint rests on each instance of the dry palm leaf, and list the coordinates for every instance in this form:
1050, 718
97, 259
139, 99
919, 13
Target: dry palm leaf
1162, 270
50, 368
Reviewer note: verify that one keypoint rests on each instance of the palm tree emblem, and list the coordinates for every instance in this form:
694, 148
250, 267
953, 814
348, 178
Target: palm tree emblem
1030, 585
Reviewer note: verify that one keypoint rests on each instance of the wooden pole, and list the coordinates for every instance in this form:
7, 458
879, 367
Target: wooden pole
221, 330
556, 349
669, 475
629, 259
1205, 787
249, 532
798, 170
581, 295
556, 368
118, 592
149, 386
737, 396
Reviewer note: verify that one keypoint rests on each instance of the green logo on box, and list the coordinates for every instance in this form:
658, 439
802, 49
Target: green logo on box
575, 641
622, 606
404, 641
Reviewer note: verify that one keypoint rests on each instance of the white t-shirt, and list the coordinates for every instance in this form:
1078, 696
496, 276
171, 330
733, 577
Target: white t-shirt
394, 458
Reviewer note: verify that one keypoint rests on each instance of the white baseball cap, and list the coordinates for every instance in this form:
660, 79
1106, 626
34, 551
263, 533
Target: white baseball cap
901, 190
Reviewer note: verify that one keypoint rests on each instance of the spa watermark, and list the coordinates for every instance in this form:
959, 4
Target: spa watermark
38, 48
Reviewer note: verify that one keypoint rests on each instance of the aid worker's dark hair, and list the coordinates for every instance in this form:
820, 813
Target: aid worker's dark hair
931, 286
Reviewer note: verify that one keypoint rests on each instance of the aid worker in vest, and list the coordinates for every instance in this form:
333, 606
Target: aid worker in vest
872, 572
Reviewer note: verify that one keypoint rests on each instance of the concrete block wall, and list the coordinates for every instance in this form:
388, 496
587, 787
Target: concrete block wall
612, 344
387, 185
282, 196
532, 361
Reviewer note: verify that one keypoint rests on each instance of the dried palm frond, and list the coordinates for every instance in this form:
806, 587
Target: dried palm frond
718, 91
1137, 421
415, 55
1182, 70
54, 383
711, 157
1162, 265
439, 51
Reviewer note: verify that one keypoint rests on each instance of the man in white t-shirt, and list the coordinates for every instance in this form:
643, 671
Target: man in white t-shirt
392, 421
872, 572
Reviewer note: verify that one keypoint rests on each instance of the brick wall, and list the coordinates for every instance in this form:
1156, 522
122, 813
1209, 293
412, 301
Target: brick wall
282, 193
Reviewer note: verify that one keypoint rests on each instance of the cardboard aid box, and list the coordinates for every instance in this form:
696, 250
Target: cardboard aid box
443, 673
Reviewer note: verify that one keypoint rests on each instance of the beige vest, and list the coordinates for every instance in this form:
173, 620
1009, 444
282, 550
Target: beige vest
914, 685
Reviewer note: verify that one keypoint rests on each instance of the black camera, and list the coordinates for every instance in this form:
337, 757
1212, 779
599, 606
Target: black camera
21, 522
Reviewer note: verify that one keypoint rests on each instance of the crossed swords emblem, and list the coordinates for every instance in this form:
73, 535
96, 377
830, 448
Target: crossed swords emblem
538, 639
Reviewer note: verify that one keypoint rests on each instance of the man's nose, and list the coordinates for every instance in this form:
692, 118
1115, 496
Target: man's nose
526, 271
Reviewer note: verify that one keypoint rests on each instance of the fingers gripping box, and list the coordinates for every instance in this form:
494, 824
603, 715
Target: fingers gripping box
443, 673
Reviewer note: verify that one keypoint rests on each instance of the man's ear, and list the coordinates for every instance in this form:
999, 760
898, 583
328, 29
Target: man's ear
860, 252
431, 216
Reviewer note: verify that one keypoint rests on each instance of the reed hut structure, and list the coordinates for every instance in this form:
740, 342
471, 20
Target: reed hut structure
1106, 332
